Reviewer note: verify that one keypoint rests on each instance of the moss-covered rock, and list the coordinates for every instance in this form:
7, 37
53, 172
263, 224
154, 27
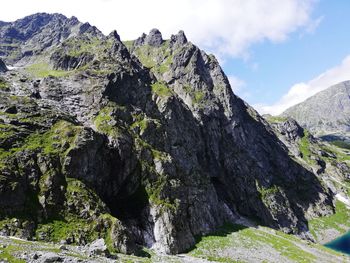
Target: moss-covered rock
145, 145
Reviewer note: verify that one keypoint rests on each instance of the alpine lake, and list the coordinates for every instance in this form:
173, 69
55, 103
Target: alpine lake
341, 244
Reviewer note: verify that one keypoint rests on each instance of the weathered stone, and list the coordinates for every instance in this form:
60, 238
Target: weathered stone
50, 258
151, 148
122, 239
39, 32
178, 39
141, 40
154, 38
98, 248
67, 62
114, 34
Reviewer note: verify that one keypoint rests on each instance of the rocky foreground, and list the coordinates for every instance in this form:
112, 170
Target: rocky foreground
237, 243
142, 144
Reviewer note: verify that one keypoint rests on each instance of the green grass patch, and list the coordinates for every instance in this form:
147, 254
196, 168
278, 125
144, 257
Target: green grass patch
161, 89
154, 191
21, 99
347, 187
212, 247
155, 188
266, 193
108, 237
4, 86
140, 121
69, 225
146, 54
77, 46
59, 140
8, 254
157, 59
341, 144
57, 230
342, 154
43, 70
129, 44
339, 221
304, 147
7, 131
276, 119
198, 97
76, 189
105, 121
165, 66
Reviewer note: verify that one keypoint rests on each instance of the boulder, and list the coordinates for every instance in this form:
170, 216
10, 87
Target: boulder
50, 257
98, 248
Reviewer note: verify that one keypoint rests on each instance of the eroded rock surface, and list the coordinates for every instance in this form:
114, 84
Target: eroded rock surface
142, 143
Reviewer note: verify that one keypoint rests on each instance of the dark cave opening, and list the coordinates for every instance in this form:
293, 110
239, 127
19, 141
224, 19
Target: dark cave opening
126, 206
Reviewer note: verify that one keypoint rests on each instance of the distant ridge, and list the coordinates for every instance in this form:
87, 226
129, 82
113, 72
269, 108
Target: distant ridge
325, 113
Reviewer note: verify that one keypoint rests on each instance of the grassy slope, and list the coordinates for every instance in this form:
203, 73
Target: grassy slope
232, 243
239, 244
339, 223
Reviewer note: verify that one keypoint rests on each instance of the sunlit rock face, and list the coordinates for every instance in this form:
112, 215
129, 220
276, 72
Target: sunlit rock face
139, 142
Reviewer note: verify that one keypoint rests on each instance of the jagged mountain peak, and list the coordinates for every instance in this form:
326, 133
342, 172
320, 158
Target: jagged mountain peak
146, 133
27, 27
154, 38
114, 34
35, 33
180, 38
43, 18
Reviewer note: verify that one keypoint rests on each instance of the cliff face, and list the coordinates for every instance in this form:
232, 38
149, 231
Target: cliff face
139, 142
329, 162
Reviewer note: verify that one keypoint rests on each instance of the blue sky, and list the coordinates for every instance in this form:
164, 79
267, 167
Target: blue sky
300, 58
275, 52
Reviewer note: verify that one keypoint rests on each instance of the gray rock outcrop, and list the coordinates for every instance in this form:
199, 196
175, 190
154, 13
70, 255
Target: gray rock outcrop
154, 38
33, 34
179, 39
98, 248
147, 144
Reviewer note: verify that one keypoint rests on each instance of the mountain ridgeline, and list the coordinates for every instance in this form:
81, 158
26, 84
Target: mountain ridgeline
142, 143
327, 113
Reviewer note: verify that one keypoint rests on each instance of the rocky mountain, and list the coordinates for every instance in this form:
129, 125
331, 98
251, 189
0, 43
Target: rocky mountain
141, 143
327, 113
34, 34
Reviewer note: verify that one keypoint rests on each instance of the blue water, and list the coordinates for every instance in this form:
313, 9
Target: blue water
341, 244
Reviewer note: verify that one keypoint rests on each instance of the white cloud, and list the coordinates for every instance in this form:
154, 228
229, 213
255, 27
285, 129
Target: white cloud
301, 91
311, 27
225, 27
